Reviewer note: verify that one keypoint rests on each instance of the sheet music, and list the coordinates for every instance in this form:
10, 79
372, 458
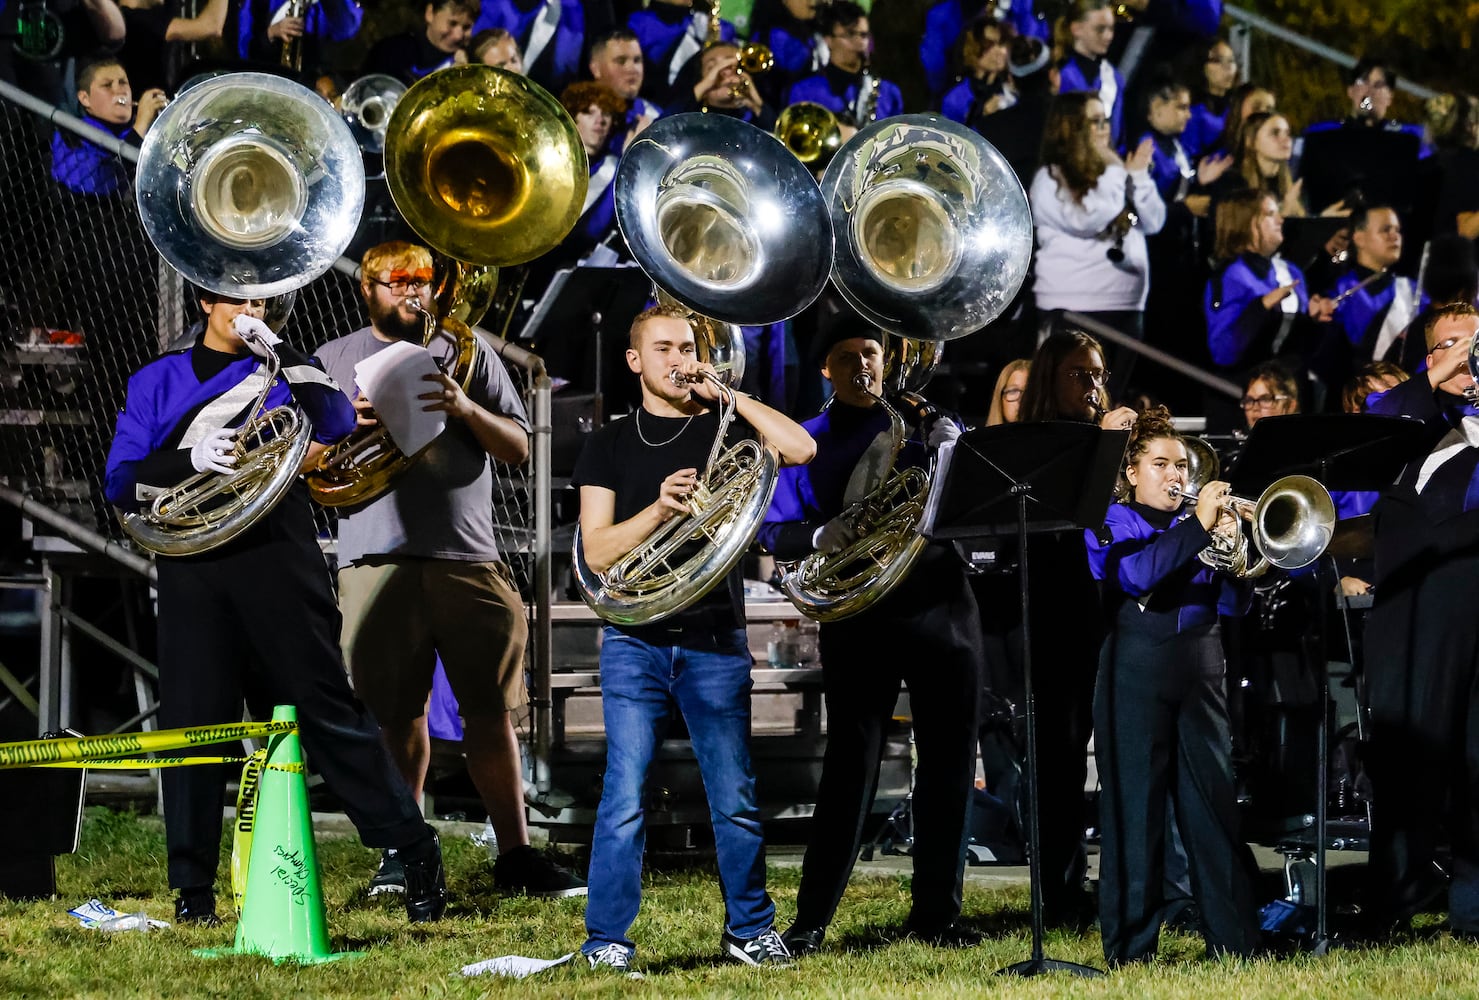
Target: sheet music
391, 379
943, 456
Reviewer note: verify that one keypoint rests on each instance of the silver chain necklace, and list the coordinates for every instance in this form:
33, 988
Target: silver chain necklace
660, 444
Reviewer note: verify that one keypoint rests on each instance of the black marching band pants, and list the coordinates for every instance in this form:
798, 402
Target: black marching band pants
257, 618
1422, 670
1161, 731
935, 651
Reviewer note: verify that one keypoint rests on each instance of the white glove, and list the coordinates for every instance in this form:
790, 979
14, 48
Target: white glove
214, 452
834, 536
943, 431
257, 335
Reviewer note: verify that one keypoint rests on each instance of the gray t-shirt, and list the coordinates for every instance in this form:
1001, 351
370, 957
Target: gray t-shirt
442, 506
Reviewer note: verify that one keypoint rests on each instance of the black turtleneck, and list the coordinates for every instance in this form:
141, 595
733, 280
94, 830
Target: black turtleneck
207, 362
1158, 519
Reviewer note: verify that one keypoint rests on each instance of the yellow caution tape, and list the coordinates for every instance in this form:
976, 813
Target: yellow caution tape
145, 763
31, 753
246, 821
122, 751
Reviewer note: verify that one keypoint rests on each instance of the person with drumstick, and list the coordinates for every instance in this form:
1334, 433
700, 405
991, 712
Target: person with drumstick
1161, 733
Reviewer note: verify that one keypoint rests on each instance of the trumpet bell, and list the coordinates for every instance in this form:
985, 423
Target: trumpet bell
250, 185
1293, 522
485, 165
366, 106
810, 131
934, 233
756, 58
723, 219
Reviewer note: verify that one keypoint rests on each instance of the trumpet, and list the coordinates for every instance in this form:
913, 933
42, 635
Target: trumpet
1293, 521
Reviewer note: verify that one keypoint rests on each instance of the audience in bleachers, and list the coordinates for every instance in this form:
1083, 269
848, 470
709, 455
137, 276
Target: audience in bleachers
1132, 227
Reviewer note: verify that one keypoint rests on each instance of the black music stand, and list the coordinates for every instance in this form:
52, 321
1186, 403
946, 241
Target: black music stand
1345, 452
1381, 164
1022, 479
580, 320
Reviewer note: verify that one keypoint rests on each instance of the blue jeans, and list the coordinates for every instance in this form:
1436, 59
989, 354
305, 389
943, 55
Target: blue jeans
708, 677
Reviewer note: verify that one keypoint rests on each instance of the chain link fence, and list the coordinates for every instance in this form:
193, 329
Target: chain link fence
85, 301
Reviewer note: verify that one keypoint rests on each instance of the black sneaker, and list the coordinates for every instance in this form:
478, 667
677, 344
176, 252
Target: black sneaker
613, 958
802, 941
390, 877
425, 880
767, 949
196, 906
525, 871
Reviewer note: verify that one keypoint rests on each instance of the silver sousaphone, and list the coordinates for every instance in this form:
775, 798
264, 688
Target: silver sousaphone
728, 223
250, 186
934, 237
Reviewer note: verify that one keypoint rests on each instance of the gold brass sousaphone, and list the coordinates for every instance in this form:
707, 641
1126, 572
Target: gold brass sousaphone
728, 223
934, 236
489, 171
250, 186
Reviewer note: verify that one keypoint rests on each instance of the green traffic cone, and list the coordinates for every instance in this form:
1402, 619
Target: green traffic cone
282, 916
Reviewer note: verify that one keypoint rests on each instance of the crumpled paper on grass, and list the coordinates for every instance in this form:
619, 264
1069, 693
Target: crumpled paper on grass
514, 966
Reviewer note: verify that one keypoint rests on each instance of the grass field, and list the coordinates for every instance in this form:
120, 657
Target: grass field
43, 953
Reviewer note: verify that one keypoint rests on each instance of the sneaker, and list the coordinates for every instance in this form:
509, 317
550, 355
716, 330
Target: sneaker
615, 958
803, 941
425, 880
767, 949
390, 877
196, 906
527, 872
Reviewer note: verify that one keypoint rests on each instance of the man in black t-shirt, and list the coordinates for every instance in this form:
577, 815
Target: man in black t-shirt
635, 475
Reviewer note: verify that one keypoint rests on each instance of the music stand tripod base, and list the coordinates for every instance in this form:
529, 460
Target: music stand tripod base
1023, 478
1039, 966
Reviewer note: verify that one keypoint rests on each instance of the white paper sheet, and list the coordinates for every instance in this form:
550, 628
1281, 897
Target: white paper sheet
391, 379
514, 966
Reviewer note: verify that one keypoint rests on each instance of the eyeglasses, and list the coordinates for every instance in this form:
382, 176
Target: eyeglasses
1098, 376
1011, 395
402, 286
1263, 402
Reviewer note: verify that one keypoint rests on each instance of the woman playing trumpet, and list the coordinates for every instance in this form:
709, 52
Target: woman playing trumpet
1160, 713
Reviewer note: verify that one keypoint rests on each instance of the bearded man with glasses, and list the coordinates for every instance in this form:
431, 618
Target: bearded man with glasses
421, 579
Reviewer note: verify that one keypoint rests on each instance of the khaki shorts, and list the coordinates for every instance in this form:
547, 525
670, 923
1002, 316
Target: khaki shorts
399, 616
